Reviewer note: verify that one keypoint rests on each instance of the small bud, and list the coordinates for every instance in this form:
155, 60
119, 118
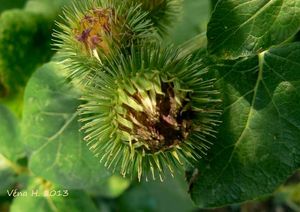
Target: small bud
92, 30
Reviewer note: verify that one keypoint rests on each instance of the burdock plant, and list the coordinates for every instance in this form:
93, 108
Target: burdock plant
146, 108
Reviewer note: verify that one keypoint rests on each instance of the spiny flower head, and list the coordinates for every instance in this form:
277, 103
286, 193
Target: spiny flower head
91, 30
150, 111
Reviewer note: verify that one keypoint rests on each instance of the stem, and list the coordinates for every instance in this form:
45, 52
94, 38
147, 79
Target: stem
15, 167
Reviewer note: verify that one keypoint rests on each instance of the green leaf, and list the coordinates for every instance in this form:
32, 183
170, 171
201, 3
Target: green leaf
112, 188
11, 176
10, 145
9, 4
258, 146
297, 37
24, 44
51, 130
7, 176
170, 195
213, 3
49, 8
241, 28
196, 14
7, 180
42, 197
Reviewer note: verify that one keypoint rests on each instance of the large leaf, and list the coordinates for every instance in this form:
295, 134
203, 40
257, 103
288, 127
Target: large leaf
51, 132
196, 14
24, 44
7, 177
42, 197
243, 27
156, 196
258, 146
213, 3
9, 4
10, 145
112, 188
49, 8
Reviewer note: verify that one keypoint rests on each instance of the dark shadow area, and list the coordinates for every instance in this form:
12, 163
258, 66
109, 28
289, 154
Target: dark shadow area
6, 5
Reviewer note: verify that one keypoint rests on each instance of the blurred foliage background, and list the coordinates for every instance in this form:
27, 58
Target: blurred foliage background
25, 44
